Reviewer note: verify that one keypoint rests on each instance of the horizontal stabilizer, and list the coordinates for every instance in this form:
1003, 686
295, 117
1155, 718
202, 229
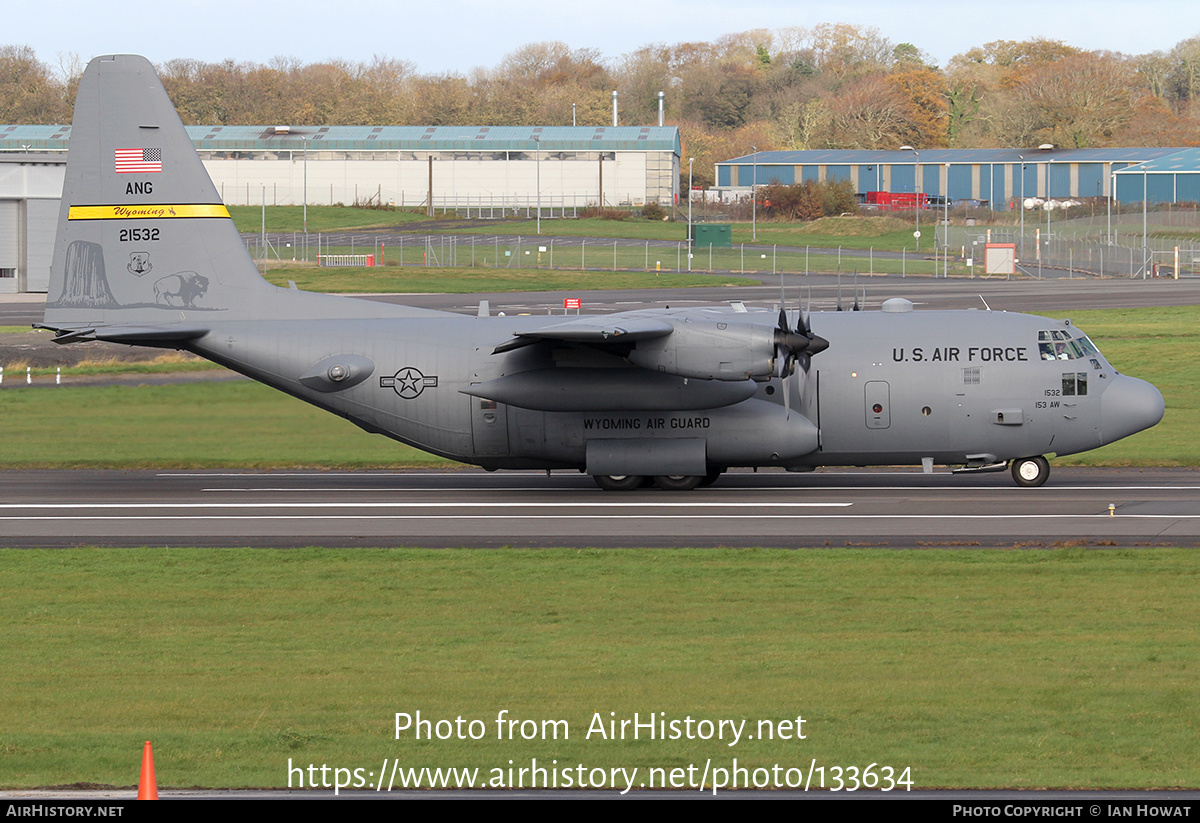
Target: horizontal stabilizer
133, 335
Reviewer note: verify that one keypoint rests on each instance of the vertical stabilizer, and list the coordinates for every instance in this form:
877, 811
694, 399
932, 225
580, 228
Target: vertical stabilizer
143, 237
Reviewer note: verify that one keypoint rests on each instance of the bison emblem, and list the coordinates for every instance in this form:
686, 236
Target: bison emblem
180, 290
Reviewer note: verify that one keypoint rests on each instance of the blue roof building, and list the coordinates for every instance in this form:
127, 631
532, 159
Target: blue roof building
998, 178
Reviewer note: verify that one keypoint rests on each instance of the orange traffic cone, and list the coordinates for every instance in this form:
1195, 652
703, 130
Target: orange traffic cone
147, 786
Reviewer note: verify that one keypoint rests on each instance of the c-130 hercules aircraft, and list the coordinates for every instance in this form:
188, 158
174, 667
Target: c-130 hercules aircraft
147, 255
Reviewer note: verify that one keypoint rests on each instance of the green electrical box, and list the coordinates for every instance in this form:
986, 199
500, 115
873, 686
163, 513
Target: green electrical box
717, 235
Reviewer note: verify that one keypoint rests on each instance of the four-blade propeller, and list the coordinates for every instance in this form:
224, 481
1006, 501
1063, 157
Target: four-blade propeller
792, 346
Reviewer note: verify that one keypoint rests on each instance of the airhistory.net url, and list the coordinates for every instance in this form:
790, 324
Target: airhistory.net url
706, 778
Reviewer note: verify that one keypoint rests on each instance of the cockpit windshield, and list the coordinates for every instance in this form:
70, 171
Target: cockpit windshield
1057, 344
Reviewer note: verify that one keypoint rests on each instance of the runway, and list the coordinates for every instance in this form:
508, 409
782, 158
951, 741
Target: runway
472, 508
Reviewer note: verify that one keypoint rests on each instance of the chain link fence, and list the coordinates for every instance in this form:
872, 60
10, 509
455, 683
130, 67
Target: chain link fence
1127, 244
1130, 244
583, 253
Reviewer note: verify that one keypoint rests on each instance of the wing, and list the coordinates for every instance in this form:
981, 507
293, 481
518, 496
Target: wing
707, 343
616, 329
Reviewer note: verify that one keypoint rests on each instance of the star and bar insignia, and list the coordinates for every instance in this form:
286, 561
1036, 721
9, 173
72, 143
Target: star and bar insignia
408, 382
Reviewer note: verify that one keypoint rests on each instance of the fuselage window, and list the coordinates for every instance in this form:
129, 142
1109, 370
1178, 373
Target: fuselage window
1074, 384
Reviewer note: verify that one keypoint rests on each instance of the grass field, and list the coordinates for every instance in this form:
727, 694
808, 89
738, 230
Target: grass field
1159, 345
417, 279
194, 425
859, 232
1048, 668
249, 219
598, 264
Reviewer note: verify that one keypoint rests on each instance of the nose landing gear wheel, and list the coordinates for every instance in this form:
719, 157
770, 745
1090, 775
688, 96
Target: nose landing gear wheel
618, 482
1030, 471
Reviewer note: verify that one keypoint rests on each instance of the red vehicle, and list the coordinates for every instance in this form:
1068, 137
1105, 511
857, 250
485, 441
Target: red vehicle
897, 201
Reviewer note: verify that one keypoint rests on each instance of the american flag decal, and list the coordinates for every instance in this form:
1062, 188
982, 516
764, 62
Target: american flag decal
139, 161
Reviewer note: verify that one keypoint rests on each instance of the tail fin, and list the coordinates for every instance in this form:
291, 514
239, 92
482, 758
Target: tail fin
143, 237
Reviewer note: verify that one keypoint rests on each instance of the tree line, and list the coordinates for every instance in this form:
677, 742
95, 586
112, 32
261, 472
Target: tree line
830, 86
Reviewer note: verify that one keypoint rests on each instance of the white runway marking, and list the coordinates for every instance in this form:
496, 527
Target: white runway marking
531, 517
456, 504
722, 491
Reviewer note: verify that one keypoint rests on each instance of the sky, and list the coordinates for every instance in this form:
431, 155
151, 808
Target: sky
455, 36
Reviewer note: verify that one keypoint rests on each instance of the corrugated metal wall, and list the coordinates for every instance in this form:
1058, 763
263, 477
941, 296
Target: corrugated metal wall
41, 224
10, 236
1001, 184
628, 177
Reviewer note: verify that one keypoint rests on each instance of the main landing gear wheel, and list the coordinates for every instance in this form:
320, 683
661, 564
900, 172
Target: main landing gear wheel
678, 482
618, 482
1030, 471
711, 477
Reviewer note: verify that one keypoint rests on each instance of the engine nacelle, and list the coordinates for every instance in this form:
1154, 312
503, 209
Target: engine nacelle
711, 349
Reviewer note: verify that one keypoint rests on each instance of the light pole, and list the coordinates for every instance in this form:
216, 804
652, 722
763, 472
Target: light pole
753, 198
1112, 192
305, 142
917, 205
690, 160
1145, 227
1021, 157
537, 163
946, 221
1049, 208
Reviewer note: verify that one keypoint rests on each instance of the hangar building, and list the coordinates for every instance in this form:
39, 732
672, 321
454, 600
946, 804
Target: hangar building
484, 168
30, 190
488, 166
997, 177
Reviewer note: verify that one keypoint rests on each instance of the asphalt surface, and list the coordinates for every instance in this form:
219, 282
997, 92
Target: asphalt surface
818, 292
821, 293
1149, 507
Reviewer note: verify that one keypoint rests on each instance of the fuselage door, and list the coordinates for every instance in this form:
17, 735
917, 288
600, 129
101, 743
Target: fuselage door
489, 419
489, 426
878, 399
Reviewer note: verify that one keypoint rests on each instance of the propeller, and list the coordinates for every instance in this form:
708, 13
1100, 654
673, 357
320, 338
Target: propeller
792, 346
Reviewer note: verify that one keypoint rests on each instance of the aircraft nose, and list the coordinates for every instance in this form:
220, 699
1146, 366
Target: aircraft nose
1128, 406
